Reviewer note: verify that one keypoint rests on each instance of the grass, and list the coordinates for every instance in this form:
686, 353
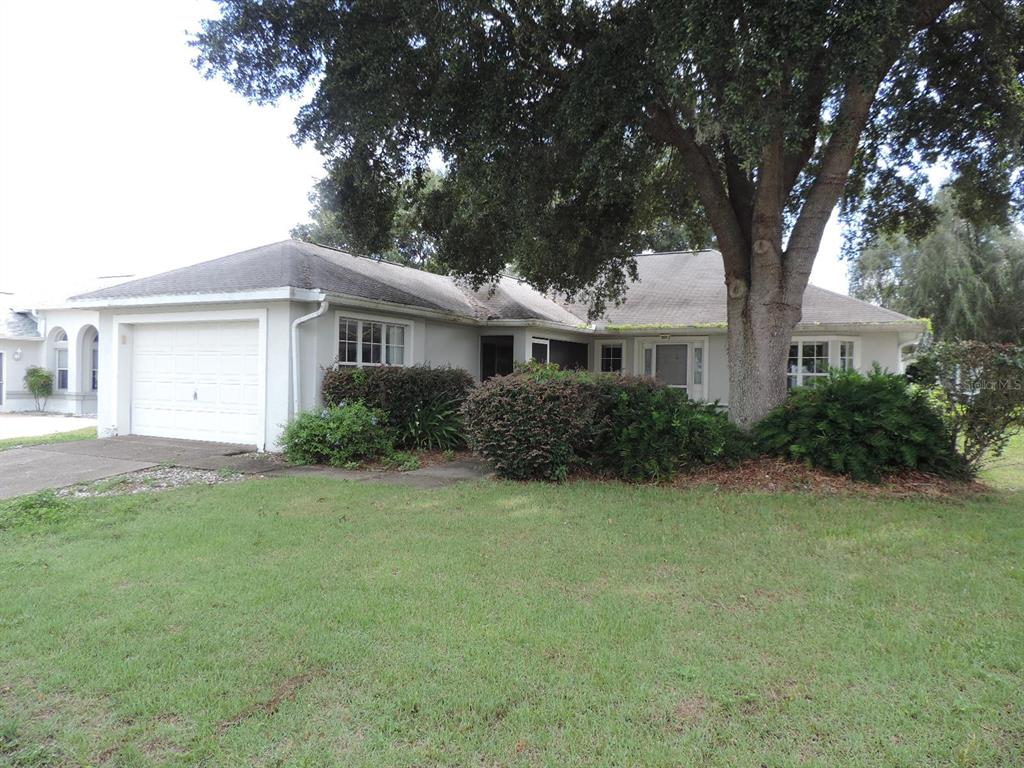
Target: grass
309, 622
88, 433
1007, 471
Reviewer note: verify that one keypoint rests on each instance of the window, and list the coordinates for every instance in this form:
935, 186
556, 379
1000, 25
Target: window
808, 360
539, 350
698, 366
368, 342
846, 356
611, 358
60, 354
95, 362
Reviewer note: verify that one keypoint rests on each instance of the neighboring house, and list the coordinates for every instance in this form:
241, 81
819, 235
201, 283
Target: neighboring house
229, 349
65, 341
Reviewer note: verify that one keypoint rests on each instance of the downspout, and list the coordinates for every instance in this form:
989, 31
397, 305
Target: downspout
295, 350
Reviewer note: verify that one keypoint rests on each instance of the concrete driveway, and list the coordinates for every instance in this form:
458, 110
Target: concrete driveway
35, 424
36, 468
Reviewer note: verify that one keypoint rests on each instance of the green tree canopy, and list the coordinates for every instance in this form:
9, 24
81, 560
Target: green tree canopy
570, 128
400, 237
968, 278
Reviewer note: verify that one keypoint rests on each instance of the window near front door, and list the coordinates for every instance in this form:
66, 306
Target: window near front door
846, 355
369, 342
808, 360
60, 358
95, 362
611, 358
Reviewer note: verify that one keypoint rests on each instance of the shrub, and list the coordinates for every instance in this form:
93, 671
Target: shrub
861, 426
39, 382
646, 431
338, 435
422, 403
527, 427
541, 422
979, 387
434, 426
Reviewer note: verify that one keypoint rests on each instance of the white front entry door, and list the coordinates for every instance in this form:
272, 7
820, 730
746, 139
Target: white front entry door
196, 381
677, 362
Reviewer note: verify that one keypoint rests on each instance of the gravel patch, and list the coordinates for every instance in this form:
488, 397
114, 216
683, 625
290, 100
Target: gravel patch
146, 480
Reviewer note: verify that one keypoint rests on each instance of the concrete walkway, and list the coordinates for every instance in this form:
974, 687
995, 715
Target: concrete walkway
36, 468
36, 424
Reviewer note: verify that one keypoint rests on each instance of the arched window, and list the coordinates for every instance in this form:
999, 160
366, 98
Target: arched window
95, 361
60, 357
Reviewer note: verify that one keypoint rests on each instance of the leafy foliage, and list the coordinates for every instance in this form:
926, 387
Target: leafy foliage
542, 422
39, 381
339, 435
569, 130
421, 402
434, 425
861, 426
529, 428
405, 242
645, 431
981, 393
41, 508
968, 279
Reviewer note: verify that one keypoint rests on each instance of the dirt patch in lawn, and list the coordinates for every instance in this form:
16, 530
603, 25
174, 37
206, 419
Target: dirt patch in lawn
284, 692
688, 712
775, 475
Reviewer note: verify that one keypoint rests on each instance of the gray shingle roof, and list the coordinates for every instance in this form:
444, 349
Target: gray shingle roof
688, 288
673, 288
17, 325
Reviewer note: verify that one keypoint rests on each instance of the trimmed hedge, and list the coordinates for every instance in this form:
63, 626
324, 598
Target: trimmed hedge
542, 423
422, 403
861, 426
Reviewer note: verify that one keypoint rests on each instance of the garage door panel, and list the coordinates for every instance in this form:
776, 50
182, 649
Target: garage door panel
196, 381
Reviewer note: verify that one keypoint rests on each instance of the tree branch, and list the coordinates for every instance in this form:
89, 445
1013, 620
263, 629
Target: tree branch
841, 149
707, 177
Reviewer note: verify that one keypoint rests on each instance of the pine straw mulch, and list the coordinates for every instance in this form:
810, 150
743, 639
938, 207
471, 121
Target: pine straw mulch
774, 475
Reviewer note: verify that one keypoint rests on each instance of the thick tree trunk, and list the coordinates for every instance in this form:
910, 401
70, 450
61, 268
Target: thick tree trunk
762, 314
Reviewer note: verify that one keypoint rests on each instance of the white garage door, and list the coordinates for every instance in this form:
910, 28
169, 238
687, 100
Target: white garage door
196, 381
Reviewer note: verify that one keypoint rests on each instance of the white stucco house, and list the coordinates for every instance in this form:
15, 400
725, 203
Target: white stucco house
228, 350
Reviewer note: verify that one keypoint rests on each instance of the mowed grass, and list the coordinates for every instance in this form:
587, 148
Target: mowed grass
88, 433
1007, 471
314, 622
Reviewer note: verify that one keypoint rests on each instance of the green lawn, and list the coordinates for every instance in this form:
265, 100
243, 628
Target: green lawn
314, 622
1007, 471
88, 433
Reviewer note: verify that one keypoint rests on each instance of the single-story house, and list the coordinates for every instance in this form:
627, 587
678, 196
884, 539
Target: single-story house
65, 341
228, 350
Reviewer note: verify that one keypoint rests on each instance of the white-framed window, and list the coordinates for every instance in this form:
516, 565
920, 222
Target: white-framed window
60, 358
846, 362
370, 342
808, 360
95, 377
611, 358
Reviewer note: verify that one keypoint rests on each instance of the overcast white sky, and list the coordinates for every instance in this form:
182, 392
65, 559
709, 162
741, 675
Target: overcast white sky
117, 157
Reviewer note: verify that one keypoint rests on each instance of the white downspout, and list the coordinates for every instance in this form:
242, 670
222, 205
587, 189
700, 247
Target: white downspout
295, 350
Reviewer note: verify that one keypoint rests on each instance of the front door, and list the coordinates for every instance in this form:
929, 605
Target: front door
676, 363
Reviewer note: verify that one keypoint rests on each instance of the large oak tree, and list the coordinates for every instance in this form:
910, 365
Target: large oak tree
569, 128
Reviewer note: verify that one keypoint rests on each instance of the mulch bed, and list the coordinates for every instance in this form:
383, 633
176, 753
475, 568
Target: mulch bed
774, 475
